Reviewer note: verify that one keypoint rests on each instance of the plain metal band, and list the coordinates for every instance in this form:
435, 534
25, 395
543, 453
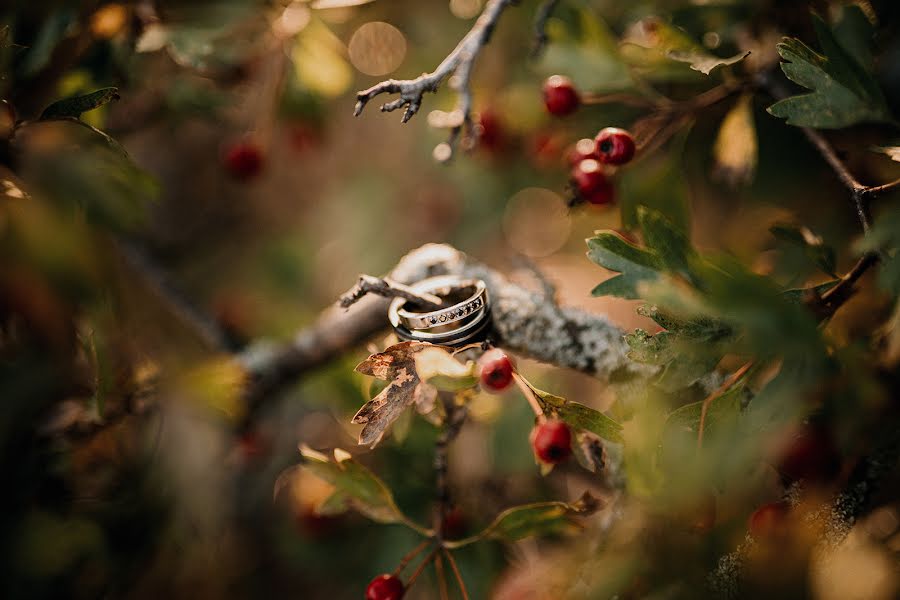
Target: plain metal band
450, 338
471, 305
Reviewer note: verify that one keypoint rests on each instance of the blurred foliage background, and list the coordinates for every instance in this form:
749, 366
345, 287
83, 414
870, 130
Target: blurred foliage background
231, 169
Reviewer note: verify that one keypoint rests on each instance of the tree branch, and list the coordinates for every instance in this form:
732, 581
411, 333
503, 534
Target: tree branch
524, 322
457, 66
387, 289
544, 12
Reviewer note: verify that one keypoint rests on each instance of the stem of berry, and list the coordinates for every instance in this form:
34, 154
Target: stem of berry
410, 556
421, 567
459, 580
531, 397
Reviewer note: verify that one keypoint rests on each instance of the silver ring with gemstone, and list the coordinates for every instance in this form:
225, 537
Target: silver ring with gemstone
474, 303
465, 322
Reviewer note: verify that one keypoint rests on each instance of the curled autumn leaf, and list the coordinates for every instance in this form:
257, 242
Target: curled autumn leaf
415, 371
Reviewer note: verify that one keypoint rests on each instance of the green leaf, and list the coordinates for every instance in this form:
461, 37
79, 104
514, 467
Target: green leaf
725, 407
843, 91
671, 245
800, 295
813, 246
356, 487
540, 518
635, 265
651, 349
73, 107
578, 415
703, 61
701, 329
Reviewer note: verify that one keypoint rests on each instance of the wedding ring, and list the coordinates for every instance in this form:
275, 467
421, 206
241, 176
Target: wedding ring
466, 321
459, 311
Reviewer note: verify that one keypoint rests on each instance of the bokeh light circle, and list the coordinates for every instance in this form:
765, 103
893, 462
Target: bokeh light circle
536, 222
377, 48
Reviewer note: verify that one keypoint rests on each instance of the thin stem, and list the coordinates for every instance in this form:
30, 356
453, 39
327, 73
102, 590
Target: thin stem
421, 567
878, 190
530, 396
456, 416
542, 16
409, 556
459, 580
442, 580
726, 385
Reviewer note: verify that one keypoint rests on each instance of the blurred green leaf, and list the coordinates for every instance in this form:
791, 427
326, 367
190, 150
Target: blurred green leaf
659, 185
814, 247
73, 107
635, 265
540, 518
843, 91
670, 244
884, 237
578, 415
725, 407
649, 44
356, 487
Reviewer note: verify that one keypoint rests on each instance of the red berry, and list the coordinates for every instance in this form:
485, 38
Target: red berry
244, 160
591, 184
769, 519
491, 135
810, 455
582, 150
614, 146
552, 441
454, 525
496, 370
560, 96
385, 587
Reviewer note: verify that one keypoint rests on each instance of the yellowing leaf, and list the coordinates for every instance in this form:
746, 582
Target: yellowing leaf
736, 150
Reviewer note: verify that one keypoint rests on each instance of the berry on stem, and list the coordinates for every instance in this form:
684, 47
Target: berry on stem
244, 160
769, 519
496, 370
582, 150
385, 587
614, 146
560, 96
591, 183
552, 441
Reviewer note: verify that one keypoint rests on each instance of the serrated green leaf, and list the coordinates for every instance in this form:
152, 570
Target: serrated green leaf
671, 246
610, 251
843, 92
578, 415
701, 329
73, 107
703, 61
540, 518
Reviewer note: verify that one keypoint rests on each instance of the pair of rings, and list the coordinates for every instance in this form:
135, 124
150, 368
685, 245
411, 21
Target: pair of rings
465, 321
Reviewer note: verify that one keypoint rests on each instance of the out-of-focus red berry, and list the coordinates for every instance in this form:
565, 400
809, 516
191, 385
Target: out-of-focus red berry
552, 441
560, 96
454, 525
769, 519
496, 370
244, 160
491, 134
614, 146
591, 183
583, 149
385, 587
810, 455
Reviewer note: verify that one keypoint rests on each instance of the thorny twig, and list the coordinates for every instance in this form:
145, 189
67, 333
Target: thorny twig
457, 66
386, 288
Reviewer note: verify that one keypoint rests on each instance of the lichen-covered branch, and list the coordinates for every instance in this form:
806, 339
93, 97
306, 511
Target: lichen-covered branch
524, 322
457, 67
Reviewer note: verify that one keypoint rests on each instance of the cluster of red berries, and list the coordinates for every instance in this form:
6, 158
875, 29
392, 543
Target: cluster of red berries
590, 159
551, 440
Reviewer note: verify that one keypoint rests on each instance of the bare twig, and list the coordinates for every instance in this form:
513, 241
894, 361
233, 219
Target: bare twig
442, 580
457, 66
421, 567
542, 16
456, 416
386, 288
410, 555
